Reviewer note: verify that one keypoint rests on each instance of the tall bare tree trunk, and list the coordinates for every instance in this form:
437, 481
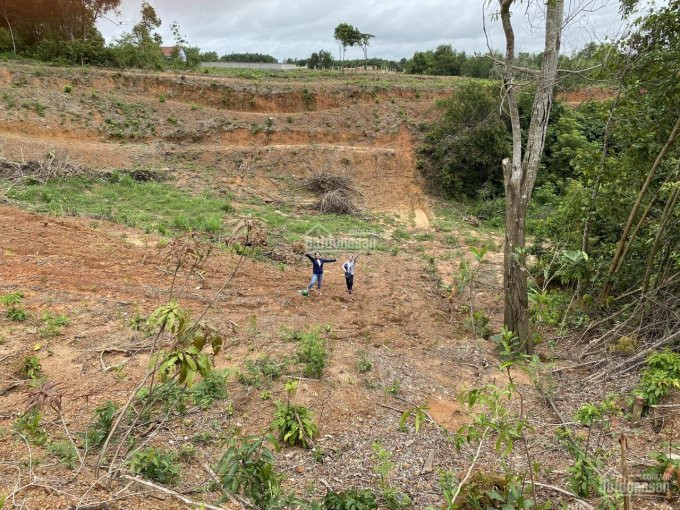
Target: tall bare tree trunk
519, 172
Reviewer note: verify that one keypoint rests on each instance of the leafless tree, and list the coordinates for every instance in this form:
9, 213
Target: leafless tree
520, 170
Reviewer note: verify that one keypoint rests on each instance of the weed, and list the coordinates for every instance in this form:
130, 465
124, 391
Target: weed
211, 388
266, 395
393, 498
65, 452
68, 89
363, 363
28, 424
53, 324
312, 354
261, 371
186, 452
419, 414
479, 324
14, 306
32, 368
101, 425
424, 236
394, 251
155, 464
172, 395
255, 129
400, 234
290, 334
161, 98
293, 423
152, 206
350, 499
394, 387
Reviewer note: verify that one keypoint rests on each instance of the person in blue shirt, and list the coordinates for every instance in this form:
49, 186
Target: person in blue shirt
317, 269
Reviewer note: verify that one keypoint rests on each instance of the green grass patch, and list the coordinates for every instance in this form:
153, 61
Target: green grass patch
151, 206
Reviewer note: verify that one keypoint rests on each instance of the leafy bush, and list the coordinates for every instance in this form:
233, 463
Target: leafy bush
14, 306
32, 367
260, 371
490, 491
211, 388
312, 354
155, 464
247, 468
53, 324
479, 324
363, 363
660, 377
101, 425
187, 357
293, 422
463, 150
350, 499
28, 424
65, 452
667, 468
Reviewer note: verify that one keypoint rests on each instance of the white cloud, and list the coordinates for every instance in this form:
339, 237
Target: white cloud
296, 28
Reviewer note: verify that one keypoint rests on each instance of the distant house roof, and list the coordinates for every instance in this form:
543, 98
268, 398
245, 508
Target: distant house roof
167, 50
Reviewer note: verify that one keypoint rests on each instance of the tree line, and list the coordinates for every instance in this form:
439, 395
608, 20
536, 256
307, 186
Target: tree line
65, 31
603, 205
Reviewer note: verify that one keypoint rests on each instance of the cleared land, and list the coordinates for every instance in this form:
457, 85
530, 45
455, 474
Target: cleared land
218, 148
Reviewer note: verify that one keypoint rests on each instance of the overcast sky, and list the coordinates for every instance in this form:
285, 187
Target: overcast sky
296, 28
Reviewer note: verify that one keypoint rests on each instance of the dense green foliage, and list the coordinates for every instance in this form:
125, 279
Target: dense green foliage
248, 57
462, 152
65, 32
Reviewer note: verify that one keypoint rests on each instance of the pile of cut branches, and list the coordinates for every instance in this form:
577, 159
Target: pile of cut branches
40, 170
646, 321
336, 193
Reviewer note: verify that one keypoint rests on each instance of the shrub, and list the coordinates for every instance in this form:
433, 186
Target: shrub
211, 388
261, 370
32, 367
14, 306
247, 467
53, 324
65, 452
101, 425
363, 363
479, 324
155, 464
28, 424
293, 423
660, 377
312, 354
350, 499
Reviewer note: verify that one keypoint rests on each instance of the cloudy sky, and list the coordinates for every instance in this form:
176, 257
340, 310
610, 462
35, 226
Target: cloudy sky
296, 28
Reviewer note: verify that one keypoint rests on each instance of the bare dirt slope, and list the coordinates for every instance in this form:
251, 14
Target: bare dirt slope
254, 140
